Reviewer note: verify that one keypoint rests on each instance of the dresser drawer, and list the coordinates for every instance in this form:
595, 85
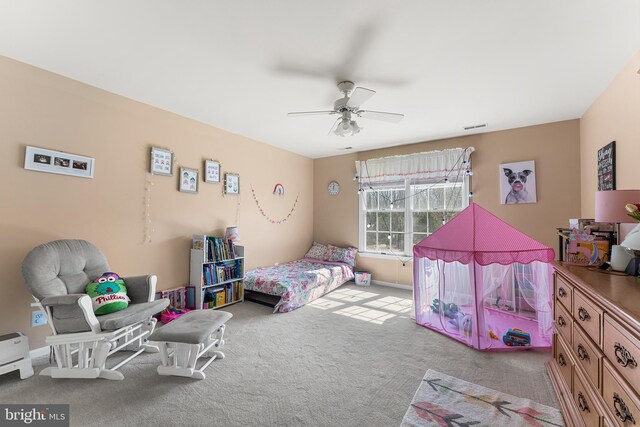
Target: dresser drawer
623, 351
564, 361
584, 402
622, 402
564, 292
588, 315
587, 355
564, 323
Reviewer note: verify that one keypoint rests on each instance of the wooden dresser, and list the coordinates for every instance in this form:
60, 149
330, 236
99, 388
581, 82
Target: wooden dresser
596, 349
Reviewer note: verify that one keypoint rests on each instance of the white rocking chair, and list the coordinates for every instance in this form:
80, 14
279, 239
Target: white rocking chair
56, 274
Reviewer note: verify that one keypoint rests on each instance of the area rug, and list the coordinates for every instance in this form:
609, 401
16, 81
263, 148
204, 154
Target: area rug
442, 400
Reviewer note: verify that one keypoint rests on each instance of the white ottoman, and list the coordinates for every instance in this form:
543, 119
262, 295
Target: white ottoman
191, 336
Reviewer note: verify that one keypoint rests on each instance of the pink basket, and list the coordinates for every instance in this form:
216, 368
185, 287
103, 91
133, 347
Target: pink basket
167, 316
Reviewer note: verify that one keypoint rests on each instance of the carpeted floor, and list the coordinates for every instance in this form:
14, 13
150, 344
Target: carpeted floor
351, 358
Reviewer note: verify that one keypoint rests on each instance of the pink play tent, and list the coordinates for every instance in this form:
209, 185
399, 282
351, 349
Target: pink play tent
479, 280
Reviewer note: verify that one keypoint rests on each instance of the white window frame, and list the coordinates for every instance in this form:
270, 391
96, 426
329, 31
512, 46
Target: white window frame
408, 217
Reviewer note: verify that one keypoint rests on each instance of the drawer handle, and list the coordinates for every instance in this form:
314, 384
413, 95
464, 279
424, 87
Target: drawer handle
622, 412
582, 403
583, 314
562, 293
561, 360
561, 321
624, 357
582, 353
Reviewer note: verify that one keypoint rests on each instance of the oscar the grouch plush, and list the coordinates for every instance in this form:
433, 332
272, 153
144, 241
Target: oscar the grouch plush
108, 294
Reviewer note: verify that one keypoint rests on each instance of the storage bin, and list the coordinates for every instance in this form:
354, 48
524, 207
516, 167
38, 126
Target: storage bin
363, 278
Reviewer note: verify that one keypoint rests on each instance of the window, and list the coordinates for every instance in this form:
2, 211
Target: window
404, 199
385, 219
434, 205
395, 217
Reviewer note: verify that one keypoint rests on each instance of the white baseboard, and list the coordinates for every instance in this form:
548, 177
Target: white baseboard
39, 352
392, 285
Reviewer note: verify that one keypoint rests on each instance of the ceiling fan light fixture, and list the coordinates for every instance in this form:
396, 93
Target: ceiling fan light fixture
347, 127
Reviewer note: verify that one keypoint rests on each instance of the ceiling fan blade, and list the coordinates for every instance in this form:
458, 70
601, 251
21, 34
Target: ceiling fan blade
359, 96
380, 115
311, 113
335, 124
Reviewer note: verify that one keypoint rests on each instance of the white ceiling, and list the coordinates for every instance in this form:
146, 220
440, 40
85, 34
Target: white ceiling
242, 65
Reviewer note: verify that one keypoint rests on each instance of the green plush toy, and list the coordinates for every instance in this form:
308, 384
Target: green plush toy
108, 294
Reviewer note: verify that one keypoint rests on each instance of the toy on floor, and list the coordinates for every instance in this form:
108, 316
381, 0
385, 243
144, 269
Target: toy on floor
171, 313
516, 337
448, 310
464, 320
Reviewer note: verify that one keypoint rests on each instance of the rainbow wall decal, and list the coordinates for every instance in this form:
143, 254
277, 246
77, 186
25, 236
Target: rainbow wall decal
278, 190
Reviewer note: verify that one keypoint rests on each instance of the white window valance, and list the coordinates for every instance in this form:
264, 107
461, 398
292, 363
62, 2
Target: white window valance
428, 166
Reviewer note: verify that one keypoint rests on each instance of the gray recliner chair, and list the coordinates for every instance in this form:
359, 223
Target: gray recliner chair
56, 274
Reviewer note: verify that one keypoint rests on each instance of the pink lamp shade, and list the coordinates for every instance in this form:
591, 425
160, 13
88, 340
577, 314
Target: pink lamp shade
610, 205
232, 234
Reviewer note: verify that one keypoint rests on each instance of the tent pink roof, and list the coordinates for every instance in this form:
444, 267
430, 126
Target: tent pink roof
477, 234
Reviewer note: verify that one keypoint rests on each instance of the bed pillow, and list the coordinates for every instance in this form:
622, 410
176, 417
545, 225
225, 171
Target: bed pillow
317, 251
346, 255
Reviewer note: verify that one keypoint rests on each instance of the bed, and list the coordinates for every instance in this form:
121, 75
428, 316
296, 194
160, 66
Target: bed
298, 282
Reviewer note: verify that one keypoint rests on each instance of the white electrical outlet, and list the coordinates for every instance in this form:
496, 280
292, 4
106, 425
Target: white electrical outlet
38, 318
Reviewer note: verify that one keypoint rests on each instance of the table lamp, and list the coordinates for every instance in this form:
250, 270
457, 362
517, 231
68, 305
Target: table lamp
632, 244
232, 234
610, 207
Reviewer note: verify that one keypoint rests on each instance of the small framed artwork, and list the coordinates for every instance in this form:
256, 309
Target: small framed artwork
161, 161
188, 180
211, 171
231, 183
43, 160
518, 183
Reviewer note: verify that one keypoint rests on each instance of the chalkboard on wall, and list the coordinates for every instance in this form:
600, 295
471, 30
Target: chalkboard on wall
607, 167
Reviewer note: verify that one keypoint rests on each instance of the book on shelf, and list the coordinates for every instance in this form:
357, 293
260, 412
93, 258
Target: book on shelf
177, 297
218, 273
222, 295
190, 297
215, 248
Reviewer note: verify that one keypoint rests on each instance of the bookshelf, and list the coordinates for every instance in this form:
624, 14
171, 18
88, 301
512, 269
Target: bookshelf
216, 272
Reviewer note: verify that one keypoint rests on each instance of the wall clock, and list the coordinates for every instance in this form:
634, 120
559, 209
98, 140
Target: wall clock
333, 188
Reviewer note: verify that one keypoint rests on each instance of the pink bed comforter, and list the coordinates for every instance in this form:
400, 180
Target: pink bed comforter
298, 282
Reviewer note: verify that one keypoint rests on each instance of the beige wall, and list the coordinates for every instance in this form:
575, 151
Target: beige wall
614, 116
554, 147
46, 110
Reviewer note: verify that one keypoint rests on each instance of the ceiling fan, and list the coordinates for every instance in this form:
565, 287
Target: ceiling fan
349, 106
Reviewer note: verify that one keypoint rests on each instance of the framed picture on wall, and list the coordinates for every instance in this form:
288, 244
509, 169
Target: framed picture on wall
607, 167
161, 161
188, 180
212, 171
43, 160
231, 183
518, 183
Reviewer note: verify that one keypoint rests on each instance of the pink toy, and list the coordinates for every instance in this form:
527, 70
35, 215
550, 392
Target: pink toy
499, 277
171, 313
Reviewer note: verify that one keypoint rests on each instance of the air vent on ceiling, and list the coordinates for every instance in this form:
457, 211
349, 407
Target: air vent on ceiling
483, 125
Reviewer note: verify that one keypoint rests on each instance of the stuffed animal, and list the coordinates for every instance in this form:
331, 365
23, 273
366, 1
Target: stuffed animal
108, 294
